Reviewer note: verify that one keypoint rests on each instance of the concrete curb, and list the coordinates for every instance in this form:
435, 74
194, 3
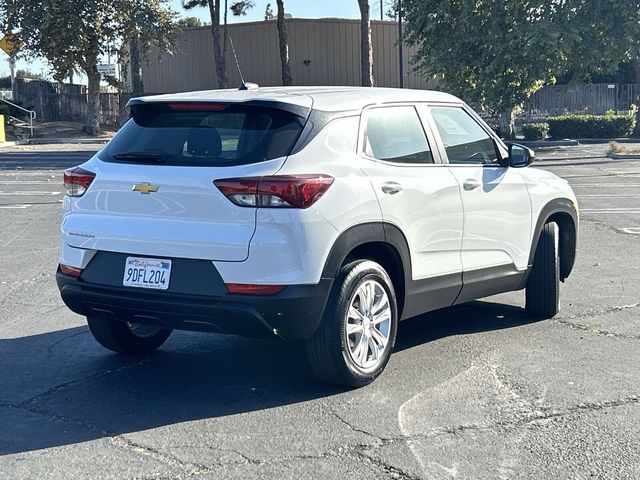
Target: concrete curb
47, 141
550, 144
623, 156
13, 144
543, 144
596, 141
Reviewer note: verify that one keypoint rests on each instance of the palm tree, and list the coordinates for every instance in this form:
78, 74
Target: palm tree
366, 52
240, 8
283, 42
219, 48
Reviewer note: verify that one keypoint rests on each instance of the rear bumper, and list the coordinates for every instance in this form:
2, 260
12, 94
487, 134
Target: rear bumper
294, 313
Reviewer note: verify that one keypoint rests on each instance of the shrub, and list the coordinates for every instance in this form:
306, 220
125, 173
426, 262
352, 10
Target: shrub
592, 126
535, 131
495, 127
6, 111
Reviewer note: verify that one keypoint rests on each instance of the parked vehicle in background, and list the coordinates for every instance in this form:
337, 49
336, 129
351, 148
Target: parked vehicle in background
323, 214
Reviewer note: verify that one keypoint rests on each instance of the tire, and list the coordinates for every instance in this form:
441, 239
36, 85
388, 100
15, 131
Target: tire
543, 285
120, 336
355, 359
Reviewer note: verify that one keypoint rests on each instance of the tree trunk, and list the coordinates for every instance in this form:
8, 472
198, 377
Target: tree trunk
225, 41
137, 87
366, 53
283, 40
92, 124
508, 124
221, 71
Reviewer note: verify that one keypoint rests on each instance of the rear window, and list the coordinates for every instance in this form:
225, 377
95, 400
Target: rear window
210, 134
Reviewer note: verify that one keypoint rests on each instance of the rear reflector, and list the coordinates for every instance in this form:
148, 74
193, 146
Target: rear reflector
72, 271
278, 191
247, 289
77, 180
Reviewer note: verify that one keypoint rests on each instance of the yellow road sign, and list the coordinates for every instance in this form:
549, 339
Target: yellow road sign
9, 44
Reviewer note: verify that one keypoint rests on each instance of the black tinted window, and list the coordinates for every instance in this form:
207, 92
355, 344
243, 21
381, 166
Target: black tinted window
201, 134
395, 134
464, 140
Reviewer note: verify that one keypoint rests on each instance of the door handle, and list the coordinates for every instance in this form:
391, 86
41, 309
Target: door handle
391, 188
471, 184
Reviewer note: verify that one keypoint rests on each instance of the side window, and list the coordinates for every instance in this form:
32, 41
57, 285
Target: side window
395, 134
464, 140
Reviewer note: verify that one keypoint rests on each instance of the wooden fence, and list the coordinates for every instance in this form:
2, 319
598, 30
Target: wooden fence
594, 99
55, 102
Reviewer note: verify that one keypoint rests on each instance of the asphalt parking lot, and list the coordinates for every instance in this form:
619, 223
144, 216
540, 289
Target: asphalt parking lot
478, 391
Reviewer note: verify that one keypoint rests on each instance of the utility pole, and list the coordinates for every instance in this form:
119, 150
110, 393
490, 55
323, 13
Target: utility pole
381, 10
400, 59
12, 72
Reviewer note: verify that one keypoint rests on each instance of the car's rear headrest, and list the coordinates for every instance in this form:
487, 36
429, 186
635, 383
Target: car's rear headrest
204, 142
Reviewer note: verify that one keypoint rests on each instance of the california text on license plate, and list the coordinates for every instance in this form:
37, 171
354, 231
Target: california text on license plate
147, 273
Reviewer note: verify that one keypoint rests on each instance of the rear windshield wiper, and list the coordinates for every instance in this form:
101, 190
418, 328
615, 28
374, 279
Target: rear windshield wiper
139, 156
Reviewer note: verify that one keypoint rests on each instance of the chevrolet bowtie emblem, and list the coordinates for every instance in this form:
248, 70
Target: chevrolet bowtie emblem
145, 188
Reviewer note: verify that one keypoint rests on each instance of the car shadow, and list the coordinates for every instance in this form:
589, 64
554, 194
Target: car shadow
62, 388
465, 319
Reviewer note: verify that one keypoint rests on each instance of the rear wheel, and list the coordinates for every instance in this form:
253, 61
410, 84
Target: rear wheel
543, 285
354, 341
129, 338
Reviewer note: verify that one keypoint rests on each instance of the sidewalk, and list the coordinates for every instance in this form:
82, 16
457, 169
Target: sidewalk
60, 133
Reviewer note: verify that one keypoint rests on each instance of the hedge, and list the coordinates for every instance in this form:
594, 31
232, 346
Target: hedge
535, 131
591, 126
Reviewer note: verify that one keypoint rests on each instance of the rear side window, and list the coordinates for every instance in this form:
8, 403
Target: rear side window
395, 134
204, 134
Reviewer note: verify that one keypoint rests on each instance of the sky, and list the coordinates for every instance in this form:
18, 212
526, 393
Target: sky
297, 8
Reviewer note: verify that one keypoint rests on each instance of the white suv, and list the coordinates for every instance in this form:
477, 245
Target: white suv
322, 214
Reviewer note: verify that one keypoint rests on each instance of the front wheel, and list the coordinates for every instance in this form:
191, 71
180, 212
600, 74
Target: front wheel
129, 338
354, 341
543, 285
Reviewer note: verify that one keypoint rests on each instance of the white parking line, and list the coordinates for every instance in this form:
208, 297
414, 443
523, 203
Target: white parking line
26, 182
41, 173
26, 205
599, 185
28, 193
610, 210
631, 230
621, 195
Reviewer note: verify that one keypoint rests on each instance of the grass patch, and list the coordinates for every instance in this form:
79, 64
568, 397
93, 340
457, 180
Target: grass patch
615, 147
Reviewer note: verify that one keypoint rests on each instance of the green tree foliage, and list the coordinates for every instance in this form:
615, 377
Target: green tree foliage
240, 8
497, 53
147, 23
268, 12
26, 73
187, 22
73, 34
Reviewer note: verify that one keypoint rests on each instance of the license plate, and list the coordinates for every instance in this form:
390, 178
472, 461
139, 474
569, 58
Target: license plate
147, 273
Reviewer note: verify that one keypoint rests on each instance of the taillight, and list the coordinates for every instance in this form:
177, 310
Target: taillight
72, 271
77, 180
279, 191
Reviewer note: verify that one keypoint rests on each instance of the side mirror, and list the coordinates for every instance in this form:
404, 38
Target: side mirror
520, 156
